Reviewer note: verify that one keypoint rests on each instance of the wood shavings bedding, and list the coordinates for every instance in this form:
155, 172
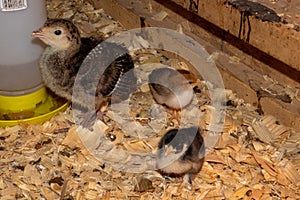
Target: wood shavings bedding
255, 158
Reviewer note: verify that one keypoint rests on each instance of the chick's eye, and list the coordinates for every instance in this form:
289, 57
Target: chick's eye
57, 32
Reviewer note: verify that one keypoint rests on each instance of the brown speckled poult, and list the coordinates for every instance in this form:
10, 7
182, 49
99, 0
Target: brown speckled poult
64, 56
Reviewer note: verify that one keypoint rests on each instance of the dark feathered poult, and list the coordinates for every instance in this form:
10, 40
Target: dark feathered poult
181, 152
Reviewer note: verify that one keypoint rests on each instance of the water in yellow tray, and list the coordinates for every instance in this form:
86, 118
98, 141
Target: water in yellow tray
34, 108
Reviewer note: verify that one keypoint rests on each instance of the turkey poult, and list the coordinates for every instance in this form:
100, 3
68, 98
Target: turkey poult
181, 152
172, 88
64, 55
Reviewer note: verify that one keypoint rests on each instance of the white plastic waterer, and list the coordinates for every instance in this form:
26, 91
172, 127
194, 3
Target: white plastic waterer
21, 87
19, 53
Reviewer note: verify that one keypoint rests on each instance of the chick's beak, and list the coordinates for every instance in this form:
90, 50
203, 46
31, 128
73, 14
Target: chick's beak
38, 33
169, 149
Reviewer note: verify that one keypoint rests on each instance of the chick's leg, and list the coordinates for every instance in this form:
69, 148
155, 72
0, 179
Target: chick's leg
187, 182
175, 115
88, 117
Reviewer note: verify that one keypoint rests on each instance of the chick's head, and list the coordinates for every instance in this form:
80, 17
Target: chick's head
59, 34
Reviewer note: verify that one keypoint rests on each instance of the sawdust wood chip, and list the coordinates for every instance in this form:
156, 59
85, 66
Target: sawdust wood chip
255, 157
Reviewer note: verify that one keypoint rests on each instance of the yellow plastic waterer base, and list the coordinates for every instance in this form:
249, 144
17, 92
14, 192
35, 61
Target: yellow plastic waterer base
33, 108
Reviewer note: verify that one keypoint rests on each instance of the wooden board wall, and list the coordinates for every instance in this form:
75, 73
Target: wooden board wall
216, 26
278, 39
